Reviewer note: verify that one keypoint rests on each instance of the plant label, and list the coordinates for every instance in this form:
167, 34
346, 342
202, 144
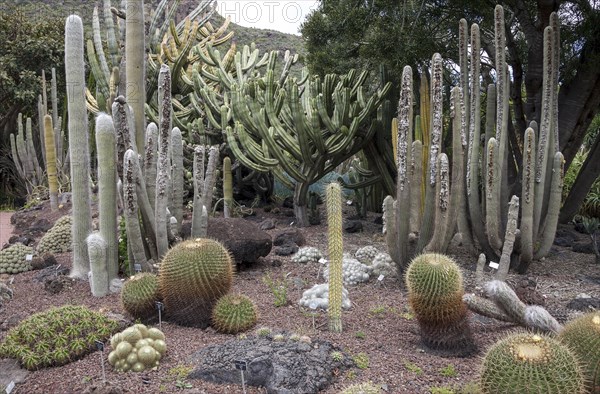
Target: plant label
241, 365
10, 387
312, 305
99, 345
380, 278
494, 265
137, 268
159, 306
29, 257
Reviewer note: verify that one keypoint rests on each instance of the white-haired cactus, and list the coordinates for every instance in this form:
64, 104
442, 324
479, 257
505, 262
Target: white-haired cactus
163, 162
307, 254
135, 67
177, 174
97, 250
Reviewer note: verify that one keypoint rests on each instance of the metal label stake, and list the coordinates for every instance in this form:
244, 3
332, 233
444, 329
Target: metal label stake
242, 366
100, 346
160, 307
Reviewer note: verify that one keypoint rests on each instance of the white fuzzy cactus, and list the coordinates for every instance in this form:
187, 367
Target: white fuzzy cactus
383, 265
307, 254
366, 254
317, 297
354, 271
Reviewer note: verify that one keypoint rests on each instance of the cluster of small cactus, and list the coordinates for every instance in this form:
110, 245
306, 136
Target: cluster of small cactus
353, 271
58, 238
531, 363
193, 275
56, 336
317, 297
234, 313
139, 295
137, 348
14, 259
366, 254
382, 264
307, 254
435, 290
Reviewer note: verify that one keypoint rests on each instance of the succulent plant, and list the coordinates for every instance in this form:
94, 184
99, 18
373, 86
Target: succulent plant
362, 388
582, 337
58, 239
531, 363
139, 295
354, 271
366, 254
435, 290
382, 264
193, 275
14, 259
307, 254
234, 313
56, 336
137, 348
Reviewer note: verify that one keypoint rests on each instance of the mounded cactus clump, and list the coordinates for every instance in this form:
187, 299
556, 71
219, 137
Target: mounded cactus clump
58, 239
531, 363
57, 336
14, 259
307, 254
193, 275
234, 313
137, 348
435, 290
366, 254
139, 295
582, 337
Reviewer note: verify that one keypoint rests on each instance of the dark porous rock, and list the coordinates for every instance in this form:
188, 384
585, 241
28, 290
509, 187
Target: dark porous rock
282, 367
586, 304
583, 247
55, 285
44, 261
286, 250
20, 239
244, 239
51, 272
563, 241
378, 220
288, 202
267, 224
102, 388
12, 321
287, 236
186, 230
353, 226
6, 293
10, 371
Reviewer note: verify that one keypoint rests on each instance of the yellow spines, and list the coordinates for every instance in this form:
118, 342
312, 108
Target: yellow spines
51, 161
336, 251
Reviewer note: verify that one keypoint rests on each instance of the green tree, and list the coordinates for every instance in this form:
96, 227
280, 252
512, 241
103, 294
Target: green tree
350, 33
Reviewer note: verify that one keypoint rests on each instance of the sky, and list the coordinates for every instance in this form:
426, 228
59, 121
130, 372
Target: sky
282, 15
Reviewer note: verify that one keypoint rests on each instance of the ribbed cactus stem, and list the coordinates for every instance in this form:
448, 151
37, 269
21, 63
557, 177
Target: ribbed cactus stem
492, 195
111, 38
51, 162
78, 144
442, 203
135, 67
177, 175
210, 177
227, 188
509, 238
505, 297
403, 203
485, 307
163, 162
132, 221
198, 230
41, 113
336, 251
389, 227
54, 102
416, 159
546, 237
107, 190
150, 156
36, 171
527, 196
97, 248
124, 127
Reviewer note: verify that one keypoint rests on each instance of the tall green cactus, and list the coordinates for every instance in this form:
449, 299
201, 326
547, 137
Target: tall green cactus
135, 67
97, 250
107, 191
78, 144
227, 188
51, 162
336, 250
163, 163
177, 174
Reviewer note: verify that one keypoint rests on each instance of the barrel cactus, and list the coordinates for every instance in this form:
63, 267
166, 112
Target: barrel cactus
137, 348
531, 363
139, 295
234, 313
14, 259
582, 337
193, 275
58, 239
435, 290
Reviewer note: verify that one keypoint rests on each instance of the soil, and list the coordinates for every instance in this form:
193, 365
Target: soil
379, 324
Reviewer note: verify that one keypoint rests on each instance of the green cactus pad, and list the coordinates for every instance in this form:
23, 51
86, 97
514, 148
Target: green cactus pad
582, 337
193, 275
139, 295
531, 363
234, 313
435, 290
56, 337
58, 239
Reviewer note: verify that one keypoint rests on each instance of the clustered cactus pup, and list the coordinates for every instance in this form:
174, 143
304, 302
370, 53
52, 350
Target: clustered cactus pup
137, 348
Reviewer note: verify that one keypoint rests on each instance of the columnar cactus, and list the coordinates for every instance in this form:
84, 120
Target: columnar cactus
227, 188
132, 222
336, 255
107, 191
78, 144
203, 181
136, 67
51, 162
97, 250
177, 174
163, 162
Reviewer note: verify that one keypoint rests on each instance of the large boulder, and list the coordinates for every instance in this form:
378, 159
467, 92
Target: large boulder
244, 239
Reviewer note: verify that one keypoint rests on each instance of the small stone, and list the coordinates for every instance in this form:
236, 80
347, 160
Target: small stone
353, 226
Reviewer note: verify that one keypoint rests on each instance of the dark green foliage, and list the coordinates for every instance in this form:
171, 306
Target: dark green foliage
56, 336
234, 313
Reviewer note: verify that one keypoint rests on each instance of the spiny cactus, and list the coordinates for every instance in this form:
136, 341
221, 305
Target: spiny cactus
78, 144
582, 336
137, 348
58, 238
97, 250
51, 162
435, 290
234, 313
193, 275
336, 255
139, 295
14, 259
531, 363
227, 188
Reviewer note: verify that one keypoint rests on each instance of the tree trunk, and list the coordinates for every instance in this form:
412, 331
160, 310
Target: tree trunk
300, 204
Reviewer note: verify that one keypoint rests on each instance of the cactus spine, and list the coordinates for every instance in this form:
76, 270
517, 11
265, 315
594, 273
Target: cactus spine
78, 144
97, 248
107, 190
336, 251
135, 69
227, 188
51, 162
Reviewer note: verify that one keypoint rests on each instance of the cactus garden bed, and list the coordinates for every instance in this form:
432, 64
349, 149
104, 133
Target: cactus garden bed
380, 333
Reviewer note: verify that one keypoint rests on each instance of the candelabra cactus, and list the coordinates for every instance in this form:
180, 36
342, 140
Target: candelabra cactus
78, 144
336, 255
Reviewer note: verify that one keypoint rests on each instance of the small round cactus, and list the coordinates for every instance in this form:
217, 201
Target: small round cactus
307, 254
139, 295
137, 348
531, 363
582, 337
366, 254
233, 314
14, 259
435, 290
58, 238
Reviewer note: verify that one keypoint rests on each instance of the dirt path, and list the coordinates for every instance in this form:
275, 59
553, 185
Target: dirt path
5, 227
